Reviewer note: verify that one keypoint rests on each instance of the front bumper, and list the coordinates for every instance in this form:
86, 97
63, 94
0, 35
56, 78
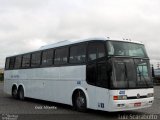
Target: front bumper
124, 105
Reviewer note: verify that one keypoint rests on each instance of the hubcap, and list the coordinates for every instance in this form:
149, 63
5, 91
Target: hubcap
21, 95
14, 92
80, 102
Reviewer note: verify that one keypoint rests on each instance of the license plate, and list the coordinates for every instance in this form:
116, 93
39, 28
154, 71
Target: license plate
137, 104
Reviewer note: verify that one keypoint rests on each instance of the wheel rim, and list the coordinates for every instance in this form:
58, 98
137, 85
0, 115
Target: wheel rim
14, 93
21, 94
80, 101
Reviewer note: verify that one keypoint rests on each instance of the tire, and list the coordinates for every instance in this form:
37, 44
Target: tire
21, 93
14, 92
80, 102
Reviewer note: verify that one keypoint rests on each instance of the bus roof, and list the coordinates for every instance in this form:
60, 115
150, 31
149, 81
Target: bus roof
68, 42
74, 41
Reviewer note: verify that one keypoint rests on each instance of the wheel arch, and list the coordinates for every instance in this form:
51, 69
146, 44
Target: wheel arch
84, 91
14, 85
21, 86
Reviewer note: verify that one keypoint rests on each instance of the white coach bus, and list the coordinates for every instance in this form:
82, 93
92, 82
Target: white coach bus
99, 73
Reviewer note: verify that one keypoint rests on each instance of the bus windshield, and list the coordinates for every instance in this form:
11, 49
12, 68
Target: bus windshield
118, 48
131, 68
131, 73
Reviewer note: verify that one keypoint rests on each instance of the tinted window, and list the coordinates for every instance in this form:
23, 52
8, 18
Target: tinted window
96, 50
36, 59
77, 54
102, 76
18, 62
12, 61
91, 74
26, 61
61, 56
98, 74
7, 63
47, 57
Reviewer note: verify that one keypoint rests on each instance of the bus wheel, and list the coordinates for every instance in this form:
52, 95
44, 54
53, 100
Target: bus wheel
14, 92
80, 101
21, 93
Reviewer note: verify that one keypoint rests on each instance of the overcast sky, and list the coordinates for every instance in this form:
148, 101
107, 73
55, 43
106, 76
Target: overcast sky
25, 25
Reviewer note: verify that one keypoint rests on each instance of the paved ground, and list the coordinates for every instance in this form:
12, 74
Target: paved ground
42, 110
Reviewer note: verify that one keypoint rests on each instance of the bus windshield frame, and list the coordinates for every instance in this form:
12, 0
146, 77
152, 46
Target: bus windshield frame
130, 65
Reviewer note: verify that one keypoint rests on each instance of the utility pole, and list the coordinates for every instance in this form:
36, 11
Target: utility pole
153, 75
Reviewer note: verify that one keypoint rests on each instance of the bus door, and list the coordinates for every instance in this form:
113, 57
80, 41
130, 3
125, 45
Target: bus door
91, 79
97, 80
102, 93
96, 74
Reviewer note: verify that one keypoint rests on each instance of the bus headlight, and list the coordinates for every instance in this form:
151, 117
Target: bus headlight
120, 97
150, 95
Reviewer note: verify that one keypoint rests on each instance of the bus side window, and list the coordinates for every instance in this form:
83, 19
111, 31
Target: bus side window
61, 55
77, 54
47, 57
36, 59
95, 50
26, 61
7, 63
11, 63
18, 62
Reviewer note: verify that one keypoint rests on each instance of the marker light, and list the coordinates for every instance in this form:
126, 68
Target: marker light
120, 97
115, 97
